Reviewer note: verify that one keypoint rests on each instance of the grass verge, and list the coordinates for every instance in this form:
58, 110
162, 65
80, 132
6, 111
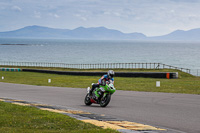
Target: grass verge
15, 118
186, 83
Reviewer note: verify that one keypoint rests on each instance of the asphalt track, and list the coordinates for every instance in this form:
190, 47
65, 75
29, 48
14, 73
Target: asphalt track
176, 112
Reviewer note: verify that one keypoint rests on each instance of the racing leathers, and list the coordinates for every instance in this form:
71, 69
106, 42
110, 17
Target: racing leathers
101, 81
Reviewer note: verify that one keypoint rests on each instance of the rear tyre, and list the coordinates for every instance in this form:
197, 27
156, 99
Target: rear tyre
105, 100
87, 100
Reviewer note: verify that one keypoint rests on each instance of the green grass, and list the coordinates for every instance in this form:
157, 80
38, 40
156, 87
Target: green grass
15, 118
186, 83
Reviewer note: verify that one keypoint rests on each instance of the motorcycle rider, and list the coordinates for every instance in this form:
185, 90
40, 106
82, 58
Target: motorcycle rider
103, 79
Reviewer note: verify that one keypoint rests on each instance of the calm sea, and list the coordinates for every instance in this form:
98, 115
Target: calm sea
180, 54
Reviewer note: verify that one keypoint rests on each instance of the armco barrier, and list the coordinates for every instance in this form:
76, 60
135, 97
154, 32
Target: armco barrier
11, 69
96, 66
169, 75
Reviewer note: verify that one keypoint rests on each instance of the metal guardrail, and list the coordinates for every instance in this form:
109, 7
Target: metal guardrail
96, 66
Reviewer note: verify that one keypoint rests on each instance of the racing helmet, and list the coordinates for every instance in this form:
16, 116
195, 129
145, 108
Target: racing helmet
111, 73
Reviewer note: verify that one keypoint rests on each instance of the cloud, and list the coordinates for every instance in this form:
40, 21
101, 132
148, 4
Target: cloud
117, 14
16, 8
81, 17
37, 14
54, 15
106, 13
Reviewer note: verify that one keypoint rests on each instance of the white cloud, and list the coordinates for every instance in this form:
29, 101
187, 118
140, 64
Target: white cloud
117, 14
172, 11
54, 15
106, 13
79, 16
37, 14
16, 8
84, 18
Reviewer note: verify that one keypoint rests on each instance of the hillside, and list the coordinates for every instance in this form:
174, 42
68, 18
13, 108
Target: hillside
78, 33
97, 33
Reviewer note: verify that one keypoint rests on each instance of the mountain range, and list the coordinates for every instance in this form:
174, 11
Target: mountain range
96, 33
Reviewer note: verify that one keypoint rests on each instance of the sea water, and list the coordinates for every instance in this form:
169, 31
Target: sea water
179, 54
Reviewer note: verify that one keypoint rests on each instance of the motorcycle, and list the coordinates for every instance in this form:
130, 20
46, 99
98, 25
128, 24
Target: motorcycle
100, 95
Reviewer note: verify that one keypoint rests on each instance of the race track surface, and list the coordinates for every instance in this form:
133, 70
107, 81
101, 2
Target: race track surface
180, 112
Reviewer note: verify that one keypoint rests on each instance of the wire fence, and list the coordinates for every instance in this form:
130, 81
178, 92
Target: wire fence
97, 66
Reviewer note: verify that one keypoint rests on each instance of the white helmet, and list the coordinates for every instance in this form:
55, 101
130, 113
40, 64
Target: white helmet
111, 73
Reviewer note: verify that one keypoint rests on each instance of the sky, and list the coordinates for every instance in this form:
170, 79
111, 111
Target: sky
150, 17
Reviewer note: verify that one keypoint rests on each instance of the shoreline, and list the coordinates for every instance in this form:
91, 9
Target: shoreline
13, 44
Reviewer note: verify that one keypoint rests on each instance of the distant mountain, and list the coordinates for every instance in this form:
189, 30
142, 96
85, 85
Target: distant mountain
102, 33
180, 35
34, 32
78, 33
96, 33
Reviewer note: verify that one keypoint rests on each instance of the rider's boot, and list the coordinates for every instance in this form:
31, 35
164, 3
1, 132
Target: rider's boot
91, 90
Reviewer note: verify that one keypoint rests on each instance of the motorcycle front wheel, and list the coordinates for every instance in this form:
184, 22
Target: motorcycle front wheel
87, 100
105, 100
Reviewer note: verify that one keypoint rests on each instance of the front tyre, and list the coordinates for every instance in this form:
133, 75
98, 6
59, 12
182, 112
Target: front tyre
87, 100
105, 100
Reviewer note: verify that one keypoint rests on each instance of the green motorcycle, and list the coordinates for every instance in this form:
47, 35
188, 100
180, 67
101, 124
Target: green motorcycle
100, 95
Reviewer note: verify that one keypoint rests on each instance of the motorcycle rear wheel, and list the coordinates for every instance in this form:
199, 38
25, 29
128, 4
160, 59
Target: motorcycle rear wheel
87, 100
105, 100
